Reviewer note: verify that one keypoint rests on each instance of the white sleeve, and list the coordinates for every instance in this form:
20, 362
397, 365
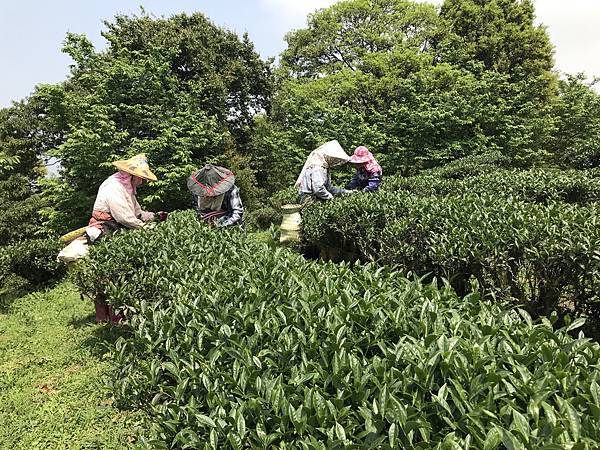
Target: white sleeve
123, 210
144, 215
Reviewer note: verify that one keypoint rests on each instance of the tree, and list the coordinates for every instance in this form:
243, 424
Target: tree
346, 35
499, 33
413, 86
181, 90
575, 141
28, 130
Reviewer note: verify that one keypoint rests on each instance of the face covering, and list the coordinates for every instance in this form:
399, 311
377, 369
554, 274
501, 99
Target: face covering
210, 203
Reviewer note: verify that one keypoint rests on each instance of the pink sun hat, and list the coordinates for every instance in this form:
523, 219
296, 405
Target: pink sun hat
361, 155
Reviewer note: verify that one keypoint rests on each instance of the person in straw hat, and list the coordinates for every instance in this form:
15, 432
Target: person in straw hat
116, 205
368, 171
314, 181
215, 197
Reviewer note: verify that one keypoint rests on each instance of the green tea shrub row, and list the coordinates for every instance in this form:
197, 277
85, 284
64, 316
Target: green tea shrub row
472, 165
236, 345
543, 255
536, 185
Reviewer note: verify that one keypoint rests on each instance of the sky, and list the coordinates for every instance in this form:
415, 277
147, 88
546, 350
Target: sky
32, 31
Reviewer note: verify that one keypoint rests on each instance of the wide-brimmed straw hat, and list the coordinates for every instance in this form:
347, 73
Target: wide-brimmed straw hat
210, 181
136, 165
360, 156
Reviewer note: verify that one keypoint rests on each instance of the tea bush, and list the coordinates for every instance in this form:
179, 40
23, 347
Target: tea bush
237, 345
541, 254
536, 185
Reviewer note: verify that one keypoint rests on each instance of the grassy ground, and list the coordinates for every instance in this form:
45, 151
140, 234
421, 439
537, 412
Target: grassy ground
53, 358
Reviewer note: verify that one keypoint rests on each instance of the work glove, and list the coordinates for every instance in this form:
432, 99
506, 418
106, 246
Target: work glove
162, 215
348, 192
221, 222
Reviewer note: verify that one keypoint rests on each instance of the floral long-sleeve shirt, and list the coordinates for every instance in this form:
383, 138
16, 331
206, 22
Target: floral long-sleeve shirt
365, 181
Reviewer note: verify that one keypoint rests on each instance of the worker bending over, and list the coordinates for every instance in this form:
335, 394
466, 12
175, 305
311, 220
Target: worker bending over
314, 181
367, 177
116, 205
215, 197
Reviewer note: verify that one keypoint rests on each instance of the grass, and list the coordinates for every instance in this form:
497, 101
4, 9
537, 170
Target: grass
53, 358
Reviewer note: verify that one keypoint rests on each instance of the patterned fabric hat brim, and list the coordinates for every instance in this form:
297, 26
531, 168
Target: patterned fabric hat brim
359, 159
136, 165
210, 181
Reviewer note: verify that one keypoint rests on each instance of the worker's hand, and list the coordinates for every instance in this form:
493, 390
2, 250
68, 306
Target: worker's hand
221, 222
348, 192
162, 215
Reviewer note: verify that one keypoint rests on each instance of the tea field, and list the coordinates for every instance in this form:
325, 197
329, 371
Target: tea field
237, 344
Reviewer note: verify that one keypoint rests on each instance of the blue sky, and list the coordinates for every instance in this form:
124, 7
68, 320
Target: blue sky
31, 31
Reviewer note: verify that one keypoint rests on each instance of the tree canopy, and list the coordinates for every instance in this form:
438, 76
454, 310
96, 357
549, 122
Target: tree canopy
181, 90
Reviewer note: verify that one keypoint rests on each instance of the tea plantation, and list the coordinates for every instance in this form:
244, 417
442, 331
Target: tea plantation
236, 344
532, 237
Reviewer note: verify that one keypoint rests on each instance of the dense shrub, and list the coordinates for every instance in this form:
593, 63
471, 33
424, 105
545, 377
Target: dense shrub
263, 218
235, 346
542, 254
35, 260
27, 252
535, 185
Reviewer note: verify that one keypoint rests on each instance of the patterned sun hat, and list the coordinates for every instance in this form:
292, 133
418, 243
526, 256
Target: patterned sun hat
361, 155
210, 181
136, 165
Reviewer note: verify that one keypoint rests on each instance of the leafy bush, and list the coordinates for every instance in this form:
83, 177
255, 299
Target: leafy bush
472, 165
27, 253
535, 185
543, 255
263, 218
235, 346
35, 260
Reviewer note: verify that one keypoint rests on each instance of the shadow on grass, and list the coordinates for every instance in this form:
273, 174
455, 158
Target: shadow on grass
103, 338
18, 287
7, 299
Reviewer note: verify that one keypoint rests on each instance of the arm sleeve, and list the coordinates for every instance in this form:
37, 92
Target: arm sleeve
237, 209
320, 184
332, 189
141, 214
373, 182
354, 182
123, 211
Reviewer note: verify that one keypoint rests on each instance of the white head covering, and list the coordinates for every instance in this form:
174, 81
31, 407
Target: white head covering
327, 156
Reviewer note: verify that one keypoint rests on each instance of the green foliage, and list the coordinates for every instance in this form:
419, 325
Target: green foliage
28, 253
499, 33
308, 355
576, 139
263, 218
535, 185
349, 34
420, 90
181, 90
515, 233
471, 166
35, 260
28, 129
21, 219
